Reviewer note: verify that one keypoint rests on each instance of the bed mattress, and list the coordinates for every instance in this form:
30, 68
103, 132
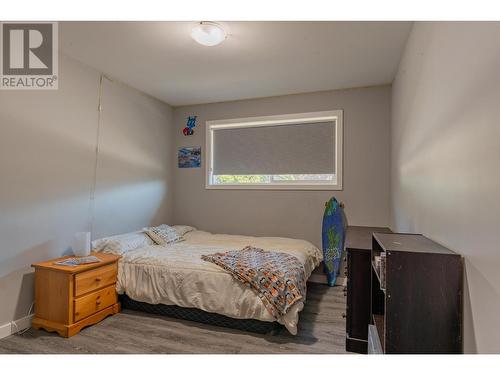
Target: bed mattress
175, 274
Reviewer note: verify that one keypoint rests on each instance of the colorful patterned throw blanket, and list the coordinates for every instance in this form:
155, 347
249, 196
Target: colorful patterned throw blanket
278, 278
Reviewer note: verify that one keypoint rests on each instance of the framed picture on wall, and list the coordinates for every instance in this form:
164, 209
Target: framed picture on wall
190, 157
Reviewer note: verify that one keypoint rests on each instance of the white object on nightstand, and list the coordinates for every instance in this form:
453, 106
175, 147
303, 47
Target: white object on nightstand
82, 244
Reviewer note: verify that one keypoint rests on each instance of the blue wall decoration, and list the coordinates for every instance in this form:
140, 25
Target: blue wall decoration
191, 123
333, 235
190, 157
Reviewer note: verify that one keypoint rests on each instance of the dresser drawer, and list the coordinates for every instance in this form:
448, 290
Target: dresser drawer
94, 279
94, 302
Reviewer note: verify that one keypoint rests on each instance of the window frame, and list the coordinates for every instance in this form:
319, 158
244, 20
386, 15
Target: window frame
277, 120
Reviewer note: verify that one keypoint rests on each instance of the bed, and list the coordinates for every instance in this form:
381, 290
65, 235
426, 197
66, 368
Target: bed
175, 274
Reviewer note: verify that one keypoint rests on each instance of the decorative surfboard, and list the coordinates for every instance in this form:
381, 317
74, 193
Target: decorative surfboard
333, 236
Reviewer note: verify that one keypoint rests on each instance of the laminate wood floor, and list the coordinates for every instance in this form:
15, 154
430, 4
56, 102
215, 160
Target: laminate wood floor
321, 330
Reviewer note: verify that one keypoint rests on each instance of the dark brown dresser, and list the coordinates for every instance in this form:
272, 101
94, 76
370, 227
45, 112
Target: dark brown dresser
358, 245
416, 299
412, 305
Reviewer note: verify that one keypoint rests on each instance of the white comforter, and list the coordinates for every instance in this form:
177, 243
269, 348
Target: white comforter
176, 275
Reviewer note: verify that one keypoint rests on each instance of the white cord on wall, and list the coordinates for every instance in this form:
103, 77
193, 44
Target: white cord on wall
26, 329
96, 163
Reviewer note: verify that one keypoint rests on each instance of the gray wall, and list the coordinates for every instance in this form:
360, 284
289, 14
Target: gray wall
445, 158
295, 214
47, 156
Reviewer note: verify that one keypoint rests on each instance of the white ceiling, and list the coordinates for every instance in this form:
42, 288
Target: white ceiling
258, 59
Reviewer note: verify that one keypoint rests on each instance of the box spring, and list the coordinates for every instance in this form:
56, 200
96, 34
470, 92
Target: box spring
200, 316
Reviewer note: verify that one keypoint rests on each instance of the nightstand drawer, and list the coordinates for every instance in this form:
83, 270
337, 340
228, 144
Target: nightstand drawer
94, 302
94, 279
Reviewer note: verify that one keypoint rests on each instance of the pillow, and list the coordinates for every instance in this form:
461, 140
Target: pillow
183, 229
122, 243
163, 234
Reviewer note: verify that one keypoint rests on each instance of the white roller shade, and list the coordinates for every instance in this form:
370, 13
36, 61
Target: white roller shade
305, 148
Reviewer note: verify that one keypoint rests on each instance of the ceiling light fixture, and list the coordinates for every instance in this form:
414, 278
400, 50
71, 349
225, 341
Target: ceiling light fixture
208, 33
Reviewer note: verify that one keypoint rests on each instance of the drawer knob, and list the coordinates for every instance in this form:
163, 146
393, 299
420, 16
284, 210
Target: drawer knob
97, 302
98, 279
343, 315
345, 293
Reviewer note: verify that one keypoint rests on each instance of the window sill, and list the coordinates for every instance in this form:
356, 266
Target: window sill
326, 187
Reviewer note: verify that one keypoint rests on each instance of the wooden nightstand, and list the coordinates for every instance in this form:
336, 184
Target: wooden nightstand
68, 299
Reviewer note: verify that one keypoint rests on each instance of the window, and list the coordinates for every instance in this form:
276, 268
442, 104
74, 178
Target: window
299, 151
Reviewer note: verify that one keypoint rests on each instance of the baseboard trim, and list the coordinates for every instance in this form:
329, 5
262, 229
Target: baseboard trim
15, 326
5, 330
321, 279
